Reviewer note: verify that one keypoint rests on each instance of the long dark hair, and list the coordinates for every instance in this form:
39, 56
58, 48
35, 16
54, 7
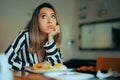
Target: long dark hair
34, 32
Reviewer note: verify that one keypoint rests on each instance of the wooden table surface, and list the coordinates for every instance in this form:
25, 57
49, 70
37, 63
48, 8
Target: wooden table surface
22, 75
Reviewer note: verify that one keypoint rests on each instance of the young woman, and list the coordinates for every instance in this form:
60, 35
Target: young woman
39, 42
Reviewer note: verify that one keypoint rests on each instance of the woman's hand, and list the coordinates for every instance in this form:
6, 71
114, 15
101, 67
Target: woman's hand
46, 64
53, 33
28, 67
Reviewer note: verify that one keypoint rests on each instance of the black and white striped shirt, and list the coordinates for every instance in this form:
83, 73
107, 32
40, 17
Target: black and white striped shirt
18, 55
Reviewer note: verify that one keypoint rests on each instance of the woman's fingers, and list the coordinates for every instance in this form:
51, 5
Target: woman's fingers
28, 67
53, 33
57, 29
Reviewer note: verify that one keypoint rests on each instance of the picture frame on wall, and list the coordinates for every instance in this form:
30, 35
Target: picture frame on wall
101, 35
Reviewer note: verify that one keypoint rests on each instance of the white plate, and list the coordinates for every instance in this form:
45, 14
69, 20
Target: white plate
44, 71
69, 75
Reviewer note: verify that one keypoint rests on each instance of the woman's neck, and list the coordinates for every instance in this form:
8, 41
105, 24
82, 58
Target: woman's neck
43, 37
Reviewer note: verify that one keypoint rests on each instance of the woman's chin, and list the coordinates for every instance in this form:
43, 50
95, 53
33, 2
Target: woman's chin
49, 31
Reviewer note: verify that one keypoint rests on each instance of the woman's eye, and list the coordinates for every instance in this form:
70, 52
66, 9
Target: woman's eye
44, 16
53, 16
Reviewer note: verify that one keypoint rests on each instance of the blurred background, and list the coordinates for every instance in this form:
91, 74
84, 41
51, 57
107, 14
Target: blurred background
15, 14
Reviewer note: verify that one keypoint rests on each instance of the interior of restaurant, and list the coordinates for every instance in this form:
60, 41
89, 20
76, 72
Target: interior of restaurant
90, 28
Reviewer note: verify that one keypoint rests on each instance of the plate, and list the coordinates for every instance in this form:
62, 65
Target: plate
91, 72
69, 75
46, 71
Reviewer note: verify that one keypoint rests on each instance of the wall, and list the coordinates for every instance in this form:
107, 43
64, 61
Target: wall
14, 15
88, 11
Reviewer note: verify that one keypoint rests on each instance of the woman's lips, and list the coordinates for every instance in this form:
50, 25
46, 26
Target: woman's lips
50, 27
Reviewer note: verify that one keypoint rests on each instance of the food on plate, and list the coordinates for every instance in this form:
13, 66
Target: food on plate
87, 68
37, 66
60, 66
42, 66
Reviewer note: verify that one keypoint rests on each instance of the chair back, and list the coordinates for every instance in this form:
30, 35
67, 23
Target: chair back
105, 63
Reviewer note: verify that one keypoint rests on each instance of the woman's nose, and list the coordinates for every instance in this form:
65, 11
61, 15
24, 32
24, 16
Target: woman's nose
49, 20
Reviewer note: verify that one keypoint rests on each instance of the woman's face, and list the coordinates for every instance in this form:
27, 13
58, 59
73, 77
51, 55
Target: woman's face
47, 20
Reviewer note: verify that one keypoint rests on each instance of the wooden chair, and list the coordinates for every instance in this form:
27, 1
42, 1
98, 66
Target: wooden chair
105, 63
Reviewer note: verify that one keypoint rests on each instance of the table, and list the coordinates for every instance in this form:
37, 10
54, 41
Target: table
23, 75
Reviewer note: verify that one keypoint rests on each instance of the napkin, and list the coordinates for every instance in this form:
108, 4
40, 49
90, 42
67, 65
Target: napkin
110, 73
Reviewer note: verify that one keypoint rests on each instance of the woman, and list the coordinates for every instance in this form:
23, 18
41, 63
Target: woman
39, 42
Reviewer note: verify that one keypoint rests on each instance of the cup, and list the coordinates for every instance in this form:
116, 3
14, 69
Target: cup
5, 73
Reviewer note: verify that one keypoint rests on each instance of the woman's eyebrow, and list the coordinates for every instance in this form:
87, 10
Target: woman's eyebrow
42, 13
53, 13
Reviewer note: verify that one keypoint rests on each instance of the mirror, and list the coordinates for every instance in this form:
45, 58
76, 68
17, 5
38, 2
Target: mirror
101, 35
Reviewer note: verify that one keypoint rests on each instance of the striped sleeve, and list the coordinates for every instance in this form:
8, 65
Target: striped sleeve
13, 52
53, 54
